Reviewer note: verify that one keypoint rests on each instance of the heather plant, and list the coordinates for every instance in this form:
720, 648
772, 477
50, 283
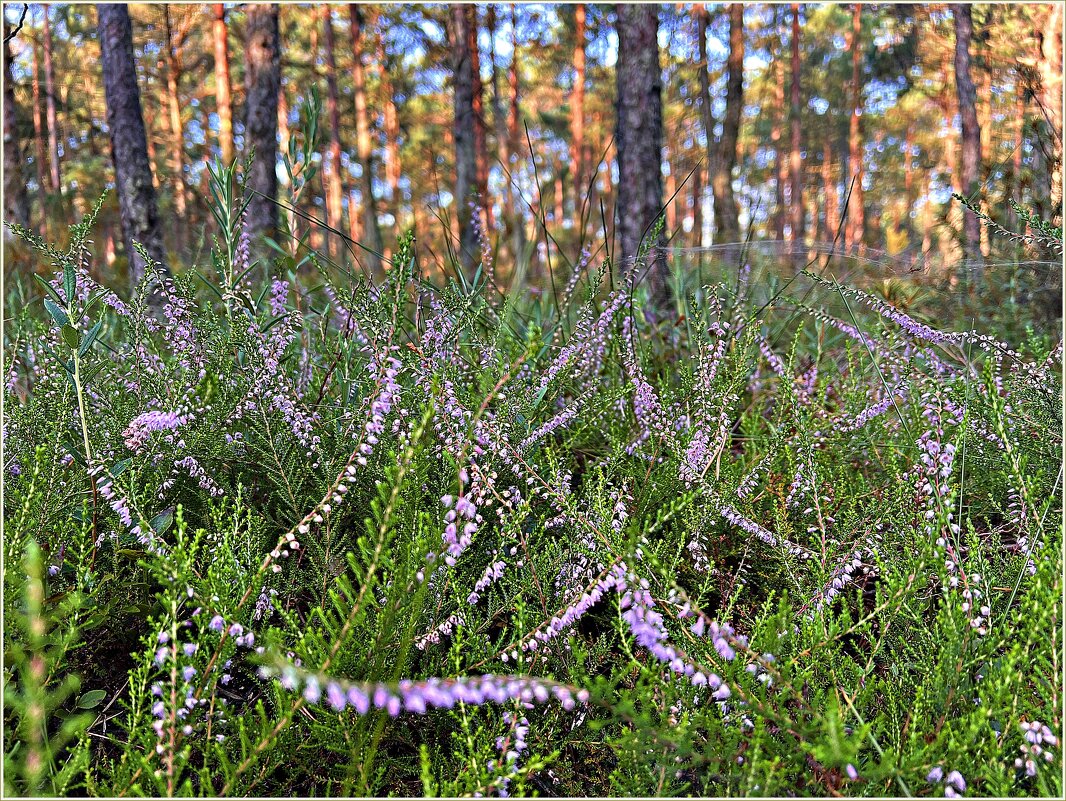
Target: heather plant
288, 531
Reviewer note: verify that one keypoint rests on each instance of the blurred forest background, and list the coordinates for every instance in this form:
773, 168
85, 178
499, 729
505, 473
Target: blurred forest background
797, 124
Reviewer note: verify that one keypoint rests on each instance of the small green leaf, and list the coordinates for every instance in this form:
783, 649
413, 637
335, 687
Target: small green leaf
92, 699
119, 466
70, 336
88, 340
49, 289
162, 521
91, 373
72, 449
70, 281
57, 313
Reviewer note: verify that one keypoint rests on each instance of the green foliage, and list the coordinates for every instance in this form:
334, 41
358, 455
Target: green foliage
232, 502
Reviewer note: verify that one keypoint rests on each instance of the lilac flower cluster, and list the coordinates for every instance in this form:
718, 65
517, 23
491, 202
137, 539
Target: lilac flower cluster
936, 467
579, 270
272, 388
492, 573
197, 472
120, 506
181, 333
346, 321
841, 576
753, 528
444, 629
1038, 736
844, 425
419, 696
772, 358
614, 579
179, 660
386, 371
558, 421
454, 541
648, 630
889, 312
141, 427
954, 784
512, 746
477, 221
587, 345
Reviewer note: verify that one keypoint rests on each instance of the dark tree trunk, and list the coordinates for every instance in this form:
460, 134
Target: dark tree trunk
856, 227
262, 83
371, 231
223, 88
971, 129
480, 145
129, 147
466, 177
16, 199
726, 216
796, 216
638, 137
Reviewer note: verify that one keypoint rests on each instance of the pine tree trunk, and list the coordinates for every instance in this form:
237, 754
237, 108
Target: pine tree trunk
697, 207
724, 156
703, 18
908, 182
129, 149
262, 83
223, 86
16, 199
39, 150
639, 141
392, 129
829, 188
283, 137
557, 169
519, 232
371, 232
856, 228
577, 117
971, 130
781, 165
333, 177
177, 160
503, 143
671, 189
50, 106
796, 216
466, 178
480, 145
1016, 165
1051, 103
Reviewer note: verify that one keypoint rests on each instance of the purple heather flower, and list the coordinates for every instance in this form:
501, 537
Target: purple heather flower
335, 696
